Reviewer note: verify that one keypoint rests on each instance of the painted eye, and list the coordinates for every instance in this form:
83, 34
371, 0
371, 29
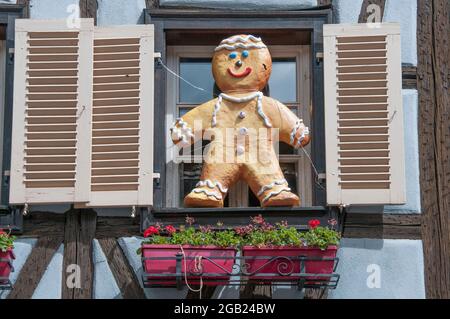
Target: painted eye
233, 55
245, 53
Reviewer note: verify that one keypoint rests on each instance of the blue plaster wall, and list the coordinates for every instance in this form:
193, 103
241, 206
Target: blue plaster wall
51, 282
22, 249
400, 265
412, 169
51, 9
105, 286
112, 12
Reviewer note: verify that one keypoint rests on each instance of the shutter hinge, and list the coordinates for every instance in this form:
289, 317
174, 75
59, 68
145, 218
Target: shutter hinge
319, 57
157, 56
11, 52
322, 176
157, 180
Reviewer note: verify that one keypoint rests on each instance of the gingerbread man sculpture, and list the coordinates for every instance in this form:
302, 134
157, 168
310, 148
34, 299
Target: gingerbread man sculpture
242, 125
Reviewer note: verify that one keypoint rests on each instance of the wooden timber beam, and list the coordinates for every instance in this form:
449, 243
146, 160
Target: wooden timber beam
434, 142
88, 9
79, 232
35, 266
366, 13
123, 273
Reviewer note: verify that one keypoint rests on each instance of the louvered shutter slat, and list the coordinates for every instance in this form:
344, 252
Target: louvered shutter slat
52, 87
363, 111
122, 117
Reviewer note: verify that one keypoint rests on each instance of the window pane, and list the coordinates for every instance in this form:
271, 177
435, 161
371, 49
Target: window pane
198, 72
190, 175
290, 175
283, 81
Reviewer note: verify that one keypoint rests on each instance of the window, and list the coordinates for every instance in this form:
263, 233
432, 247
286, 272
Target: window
2, 92
289, 83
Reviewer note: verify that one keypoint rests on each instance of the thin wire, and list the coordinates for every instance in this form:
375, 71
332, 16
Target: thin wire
313, 166
179, 76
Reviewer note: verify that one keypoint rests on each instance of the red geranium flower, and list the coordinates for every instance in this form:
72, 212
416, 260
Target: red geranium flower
152, 230
2, 232
170, 229
313, 223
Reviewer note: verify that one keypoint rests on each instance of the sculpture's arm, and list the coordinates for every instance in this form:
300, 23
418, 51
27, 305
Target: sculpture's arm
292, 130
184, 129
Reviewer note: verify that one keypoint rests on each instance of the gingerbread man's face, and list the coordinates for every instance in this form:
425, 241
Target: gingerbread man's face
241, 63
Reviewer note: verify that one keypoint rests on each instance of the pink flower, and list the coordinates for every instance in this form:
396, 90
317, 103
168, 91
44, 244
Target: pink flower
152, 230
189, 220
313, 223
170, 229
259, 220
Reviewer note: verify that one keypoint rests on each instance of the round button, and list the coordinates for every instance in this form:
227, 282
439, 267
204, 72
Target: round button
243, 131
242, 115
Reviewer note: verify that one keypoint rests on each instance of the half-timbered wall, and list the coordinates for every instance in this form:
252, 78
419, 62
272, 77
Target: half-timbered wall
398, 254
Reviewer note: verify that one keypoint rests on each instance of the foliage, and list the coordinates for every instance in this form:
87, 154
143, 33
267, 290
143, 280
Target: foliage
6, 241
258, 233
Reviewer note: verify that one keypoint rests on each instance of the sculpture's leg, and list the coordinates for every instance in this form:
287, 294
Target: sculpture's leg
213, 185
267, 182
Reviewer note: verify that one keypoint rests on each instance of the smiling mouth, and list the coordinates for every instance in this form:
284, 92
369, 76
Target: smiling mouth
246, 72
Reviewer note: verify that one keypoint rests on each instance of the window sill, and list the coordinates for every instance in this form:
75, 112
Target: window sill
231, 216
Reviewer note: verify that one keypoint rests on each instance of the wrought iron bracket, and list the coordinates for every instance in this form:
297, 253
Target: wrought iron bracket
289, 271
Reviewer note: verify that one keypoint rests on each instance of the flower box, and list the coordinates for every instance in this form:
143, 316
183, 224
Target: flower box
200, 261
282, 262
6, 267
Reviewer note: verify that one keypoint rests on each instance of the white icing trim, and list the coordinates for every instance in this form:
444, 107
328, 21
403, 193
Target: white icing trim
271, 185
242, 99
183, 132
302, 137
240, 45
212, 184
216, 109
239, 41
208, 193
295, 129
239, 38
271, 194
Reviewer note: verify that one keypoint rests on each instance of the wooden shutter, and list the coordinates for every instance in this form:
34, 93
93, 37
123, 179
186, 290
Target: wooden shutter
363, 114
122, 117
52, 98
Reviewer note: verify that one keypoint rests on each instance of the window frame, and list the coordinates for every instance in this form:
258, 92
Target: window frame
177, 19
8, 14
239, 194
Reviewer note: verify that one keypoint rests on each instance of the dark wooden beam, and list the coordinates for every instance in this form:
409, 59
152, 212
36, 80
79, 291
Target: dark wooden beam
123, 273
26, 4
79, 232
409, 77
388, 226
35, 266
39, 224
324, 3
253, 291
364, 15
152, 4
207, 292
434, 142
88, 9
316, 293
108, 227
